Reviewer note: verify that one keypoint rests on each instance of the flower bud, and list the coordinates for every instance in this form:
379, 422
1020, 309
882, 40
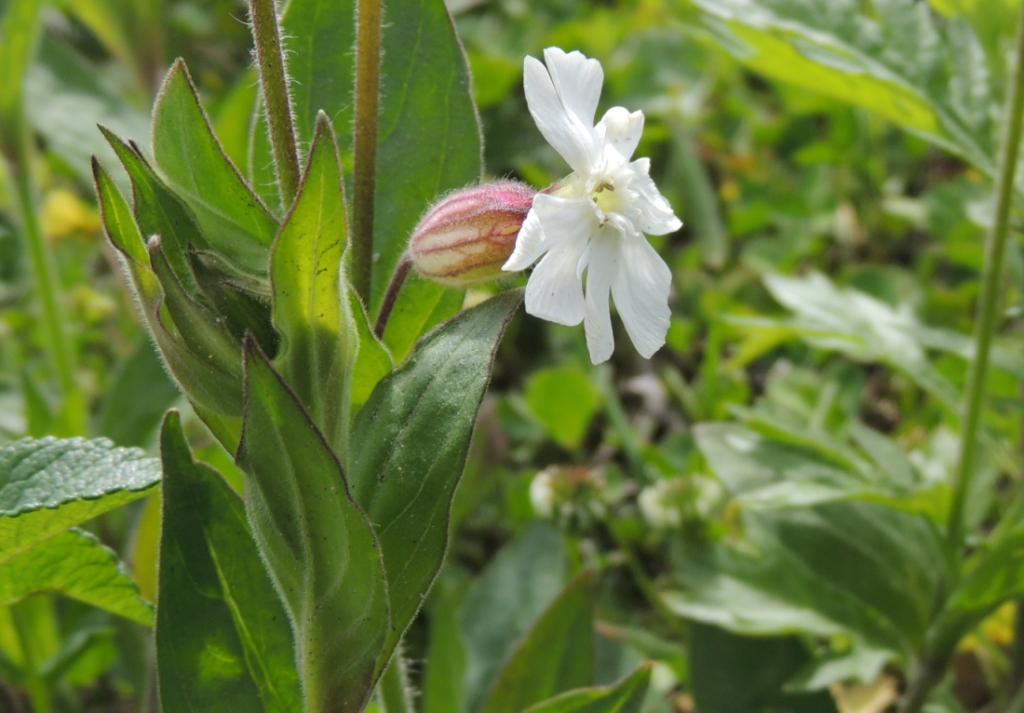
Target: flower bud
469, 235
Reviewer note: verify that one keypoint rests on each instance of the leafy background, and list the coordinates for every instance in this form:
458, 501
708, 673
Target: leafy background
789, 453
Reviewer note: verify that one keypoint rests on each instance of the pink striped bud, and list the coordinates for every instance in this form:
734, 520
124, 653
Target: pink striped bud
469, 235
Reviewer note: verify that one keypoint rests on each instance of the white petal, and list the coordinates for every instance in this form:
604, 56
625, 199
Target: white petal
640, 289
604, 264
553, 291
621, 130
530, 244
564, 119
652, 214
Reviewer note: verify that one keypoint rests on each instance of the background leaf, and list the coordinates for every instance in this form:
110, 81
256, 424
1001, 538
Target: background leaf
77, 565
222, 637
626, 696
49, 485
564, 400
555, 656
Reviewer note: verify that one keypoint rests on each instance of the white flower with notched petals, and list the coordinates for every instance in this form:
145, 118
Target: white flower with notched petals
594, 220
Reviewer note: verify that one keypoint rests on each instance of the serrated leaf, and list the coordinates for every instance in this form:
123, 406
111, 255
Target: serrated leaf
309, 307
49, 485
501, 606
317, 543
557, 654
189, 155
413, 437
77, 565
223, 639
894, 64
625, 696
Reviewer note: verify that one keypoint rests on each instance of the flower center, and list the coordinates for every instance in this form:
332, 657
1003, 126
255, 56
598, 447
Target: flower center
603, 195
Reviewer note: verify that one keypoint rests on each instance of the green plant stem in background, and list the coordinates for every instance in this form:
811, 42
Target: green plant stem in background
991, 279
391, 296
620, 424
38, 692
394, 687
645, 585
276, 99
44, 274
367, 110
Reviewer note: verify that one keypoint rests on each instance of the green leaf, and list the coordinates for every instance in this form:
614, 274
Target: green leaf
317, 543
223, 639
753, 680
373, 361
49, 485
557, 654
309, 311
421, 305
896, 63
564, 400
413, 437
856, 568
429, 135
63, 78
445, 663
625, 696
191, 158
502, 605
77, 565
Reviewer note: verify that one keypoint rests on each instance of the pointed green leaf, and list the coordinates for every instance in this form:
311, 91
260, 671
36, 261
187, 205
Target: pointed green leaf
223, 639
77, 565
504, 602
49, 485
557, 654
188, 154
373, 361
625, 696
309, 310
413, 437
317, 543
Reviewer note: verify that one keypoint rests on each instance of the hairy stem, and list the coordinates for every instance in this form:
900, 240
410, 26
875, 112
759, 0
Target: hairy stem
391, 296
276, 98
988, 308
367, 109
394, 686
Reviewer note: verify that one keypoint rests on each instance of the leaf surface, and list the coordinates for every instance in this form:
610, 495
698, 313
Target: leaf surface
223, 638
625, 696
48, 485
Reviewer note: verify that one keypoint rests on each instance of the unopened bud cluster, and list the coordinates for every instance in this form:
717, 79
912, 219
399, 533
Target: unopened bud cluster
469, 235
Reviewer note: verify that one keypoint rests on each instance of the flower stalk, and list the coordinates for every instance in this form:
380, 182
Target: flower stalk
276, 98
367, 110
991, 278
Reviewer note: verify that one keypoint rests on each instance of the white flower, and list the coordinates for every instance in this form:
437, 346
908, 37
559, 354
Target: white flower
594, 220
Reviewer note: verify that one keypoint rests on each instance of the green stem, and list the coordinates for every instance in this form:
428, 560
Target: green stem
44, 273
990, 282
367, 110
38, 693
620, 424
394, 688
276, 98
923, 678
391, 296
